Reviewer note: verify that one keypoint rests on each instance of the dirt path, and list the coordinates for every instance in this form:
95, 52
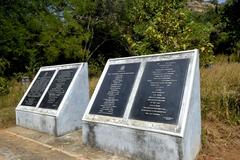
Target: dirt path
17, 143
14, 147
220, 141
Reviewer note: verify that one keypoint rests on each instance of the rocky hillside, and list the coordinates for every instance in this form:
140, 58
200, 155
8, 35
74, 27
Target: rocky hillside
199, 6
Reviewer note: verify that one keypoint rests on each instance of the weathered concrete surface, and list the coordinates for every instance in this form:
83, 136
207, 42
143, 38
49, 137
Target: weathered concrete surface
146, 140
68, 116
18, 143
137, 144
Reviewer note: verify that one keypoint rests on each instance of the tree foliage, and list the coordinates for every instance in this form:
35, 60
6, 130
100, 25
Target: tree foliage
226, 36
162, 26
35, 33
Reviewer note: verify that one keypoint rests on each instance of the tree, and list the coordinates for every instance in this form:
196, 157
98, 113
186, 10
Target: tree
49, 32
36, 33
226, 36
162, 26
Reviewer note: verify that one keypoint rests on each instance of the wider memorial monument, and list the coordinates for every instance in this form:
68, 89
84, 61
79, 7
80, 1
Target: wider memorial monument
147, 107
56, 99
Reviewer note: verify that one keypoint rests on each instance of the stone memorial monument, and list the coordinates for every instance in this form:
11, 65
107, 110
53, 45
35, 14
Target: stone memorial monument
55, 100
147, 107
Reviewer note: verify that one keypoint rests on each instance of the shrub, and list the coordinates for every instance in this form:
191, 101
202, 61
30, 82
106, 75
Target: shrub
4, 87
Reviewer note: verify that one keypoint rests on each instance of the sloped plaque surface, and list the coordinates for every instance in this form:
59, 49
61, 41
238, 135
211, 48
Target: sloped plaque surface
38, 88
115, 90
159, 96
58, 88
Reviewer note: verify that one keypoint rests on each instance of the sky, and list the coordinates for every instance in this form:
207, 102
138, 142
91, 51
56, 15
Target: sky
219, 1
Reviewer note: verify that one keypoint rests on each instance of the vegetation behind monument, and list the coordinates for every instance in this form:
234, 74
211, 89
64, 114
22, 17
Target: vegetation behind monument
35, 33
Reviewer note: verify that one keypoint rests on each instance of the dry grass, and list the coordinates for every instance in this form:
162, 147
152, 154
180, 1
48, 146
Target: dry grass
220, 92
9, 102
92, 84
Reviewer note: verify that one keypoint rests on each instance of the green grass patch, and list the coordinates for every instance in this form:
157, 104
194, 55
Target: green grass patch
9, 102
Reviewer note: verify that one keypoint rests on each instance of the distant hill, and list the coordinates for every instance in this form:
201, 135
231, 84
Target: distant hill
199, 6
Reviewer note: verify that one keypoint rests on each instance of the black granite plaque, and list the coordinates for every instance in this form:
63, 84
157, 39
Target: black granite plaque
114, 92
38, 88
159, 96
58, 88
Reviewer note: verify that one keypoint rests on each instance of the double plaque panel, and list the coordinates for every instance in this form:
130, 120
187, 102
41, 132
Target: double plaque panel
55, 92
159, 94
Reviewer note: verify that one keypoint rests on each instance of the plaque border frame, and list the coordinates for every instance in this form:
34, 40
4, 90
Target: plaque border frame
125, 121
68, 116
48, 111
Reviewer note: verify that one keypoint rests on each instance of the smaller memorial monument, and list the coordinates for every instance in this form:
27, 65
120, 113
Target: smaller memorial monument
147, 107
55, 100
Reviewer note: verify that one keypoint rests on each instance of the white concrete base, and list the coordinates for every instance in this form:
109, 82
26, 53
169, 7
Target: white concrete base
68, 116
43, 123
136, 144
142, 144
143, 140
